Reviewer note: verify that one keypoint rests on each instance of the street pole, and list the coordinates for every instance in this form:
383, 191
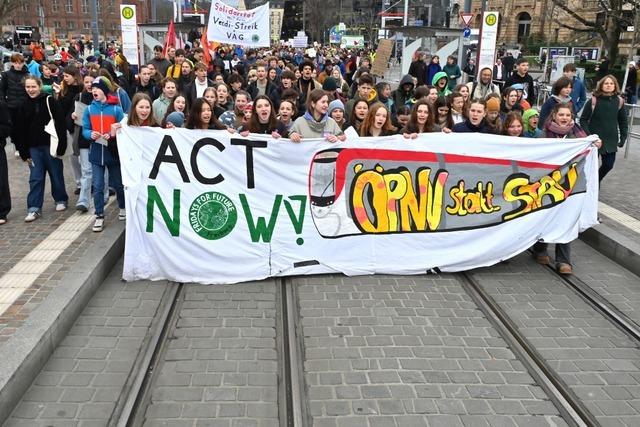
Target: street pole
405, 24
631, 48
95, 34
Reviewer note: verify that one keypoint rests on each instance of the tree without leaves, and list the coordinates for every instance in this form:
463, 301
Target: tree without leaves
610, 32
7, 7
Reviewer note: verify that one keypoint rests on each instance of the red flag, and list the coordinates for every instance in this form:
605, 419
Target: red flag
204, 43
170, 39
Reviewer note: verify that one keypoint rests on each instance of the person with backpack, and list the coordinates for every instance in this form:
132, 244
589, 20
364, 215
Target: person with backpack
604, 114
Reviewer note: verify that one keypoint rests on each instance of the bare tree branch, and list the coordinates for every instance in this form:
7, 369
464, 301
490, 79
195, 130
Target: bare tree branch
570, 27
7, 7
573, 14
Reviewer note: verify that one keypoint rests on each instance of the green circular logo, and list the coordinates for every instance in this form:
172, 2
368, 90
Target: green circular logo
212, 215
255, 38
127, 12
491, 19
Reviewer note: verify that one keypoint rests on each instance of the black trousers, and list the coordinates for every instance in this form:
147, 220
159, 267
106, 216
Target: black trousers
5, 194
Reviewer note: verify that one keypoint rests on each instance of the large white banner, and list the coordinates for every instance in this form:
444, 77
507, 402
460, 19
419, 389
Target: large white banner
242, 27
211, 207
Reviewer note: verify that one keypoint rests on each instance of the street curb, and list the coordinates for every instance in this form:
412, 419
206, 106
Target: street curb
614, 245
26, 352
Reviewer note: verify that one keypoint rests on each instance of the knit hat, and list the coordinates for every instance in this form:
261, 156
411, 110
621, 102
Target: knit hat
531, 112
103, 84
329, 84
493, 104
336, 104
176, 118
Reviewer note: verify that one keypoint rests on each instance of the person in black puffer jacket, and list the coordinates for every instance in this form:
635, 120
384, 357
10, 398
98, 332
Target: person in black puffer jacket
12, 89
33, 143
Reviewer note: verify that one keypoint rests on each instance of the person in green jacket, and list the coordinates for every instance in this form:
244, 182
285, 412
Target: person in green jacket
453, 71
441, 82
604, 114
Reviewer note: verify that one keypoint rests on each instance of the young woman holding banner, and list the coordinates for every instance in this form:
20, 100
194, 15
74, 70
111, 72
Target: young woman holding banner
561, 125
316, 123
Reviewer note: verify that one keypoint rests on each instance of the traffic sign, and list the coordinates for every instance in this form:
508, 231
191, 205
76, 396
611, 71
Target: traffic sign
466, 33
466, 17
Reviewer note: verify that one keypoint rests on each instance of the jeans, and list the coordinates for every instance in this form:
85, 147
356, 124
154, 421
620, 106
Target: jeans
85, 179
607, 159
563, 251
43, 162
76, 167
5, 194
99, 185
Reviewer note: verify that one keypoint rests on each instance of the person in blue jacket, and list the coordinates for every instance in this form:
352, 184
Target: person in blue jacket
578, 92
98, 126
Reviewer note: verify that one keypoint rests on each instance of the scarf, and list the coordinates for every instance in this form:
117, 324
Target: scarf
561, 131
561, 100
309, 117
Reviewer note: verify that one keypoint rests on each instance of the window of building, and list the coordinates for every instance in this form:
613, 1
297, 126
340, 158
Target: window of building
86, 25
69, 6
55, 5
84, 6
57, 25
71, 25
524, 26
24, 7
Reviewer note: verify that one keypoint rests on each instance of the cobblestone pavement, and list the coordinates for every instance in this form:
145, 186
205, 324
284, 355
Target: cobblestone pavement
83, 379
615, 283
619, 188
18, 238
596, 360
221, 361
410, 351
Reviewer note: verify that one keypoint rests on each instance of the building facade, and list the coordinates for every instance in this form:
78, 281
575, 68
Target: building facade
521, 19
72, 18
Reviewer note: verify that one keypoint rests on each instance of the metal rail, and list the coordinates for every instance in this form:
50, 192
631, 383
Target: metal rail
601, 304
146, 367
571, 408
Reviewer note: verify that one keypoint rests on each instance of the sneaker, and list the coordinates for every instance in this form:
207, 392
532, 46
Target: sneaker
77, 191
3, 221
17, 154
61, 207
564, 268
122, 215
82, 208
543, 259
98, 225
32, 216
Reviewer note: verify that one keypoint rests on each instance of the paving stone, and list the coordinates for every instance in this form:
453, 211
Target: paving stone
86, 386
588, 356
443, 349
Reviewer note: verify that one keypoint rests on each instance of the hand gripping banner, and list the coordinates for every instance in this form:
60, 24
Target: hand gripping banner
212, 207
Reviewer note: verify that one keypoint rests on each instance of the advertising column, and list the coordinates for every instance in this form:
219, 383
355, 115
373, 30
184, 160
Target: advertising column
128, 27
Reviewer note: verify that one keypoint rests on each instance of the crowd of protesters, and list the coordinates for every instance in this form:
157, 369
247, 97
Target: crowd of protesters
51, 108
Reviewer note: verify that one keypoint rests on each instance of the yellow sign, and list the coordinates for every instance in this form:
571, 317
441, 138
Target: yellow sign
127, 12
491, 19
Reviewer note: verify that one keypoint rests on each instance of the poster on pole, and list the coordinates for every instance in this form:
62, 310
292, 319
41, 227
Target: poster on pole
244, 27
208, 206
488, 37
129, 29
